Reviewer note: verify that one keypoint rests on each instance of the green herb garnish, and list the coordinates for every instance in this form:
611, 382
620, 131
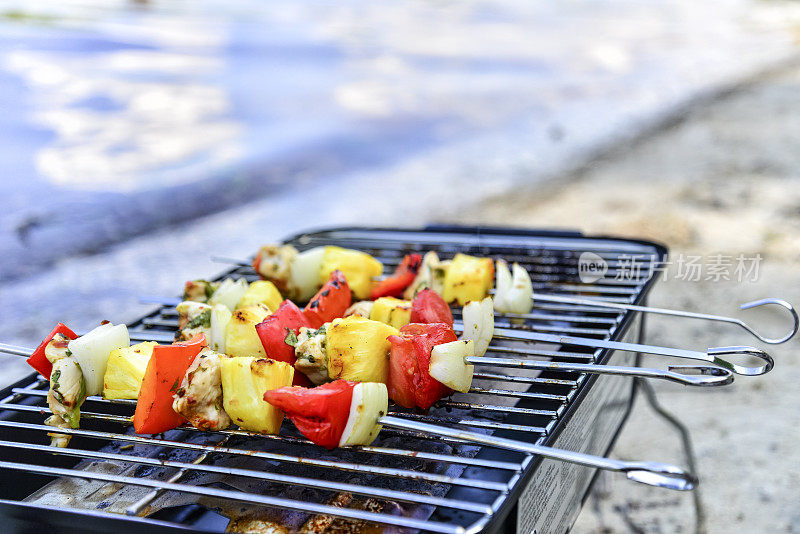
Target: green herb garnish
203, 319
291, 338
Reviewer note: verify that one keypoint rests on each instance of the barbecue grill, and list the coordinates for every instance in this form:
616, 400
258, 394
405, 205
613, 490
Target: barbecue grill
110, 479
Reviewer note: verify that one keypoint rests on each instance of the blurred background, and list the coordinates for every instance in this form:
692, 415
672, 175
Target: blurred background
141, 137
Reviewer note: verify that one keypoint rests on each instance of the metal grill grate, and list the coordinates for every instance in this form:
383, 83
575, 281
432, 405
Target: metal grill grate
404, 479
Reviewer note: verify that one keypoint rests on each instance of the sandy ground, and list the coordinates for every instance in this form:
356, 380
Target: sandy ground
724, 180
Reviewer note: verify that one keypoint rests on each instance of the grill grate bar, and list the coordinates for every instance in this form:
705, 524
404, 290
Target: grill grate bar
328, 464
262, 475
603, 315
127, 421
495, 349
526, 379
173, 325
519, 394
239, 496
551, 328
492, 408
491, 425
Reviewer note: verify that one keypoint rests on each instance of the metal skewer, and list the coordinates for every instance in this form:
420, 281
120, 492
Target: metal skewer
680, 313
712, 355
651, 473
599, 303
706, 375
690, 375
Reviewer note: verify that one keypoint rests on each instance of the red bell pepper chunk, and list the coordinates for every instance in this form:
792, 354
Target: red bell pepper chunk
319, 413
429, 307
330, 302
393, 286
257, 264
410, 382
38, 360
274, 331
162, 378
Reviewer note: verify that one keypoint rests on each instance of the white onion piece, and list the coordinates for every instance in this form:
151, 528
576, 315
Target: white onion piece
519, 298
478, 320
229, 293
92, 350
448, 364
502, 285
370, 403
220, 317
304, 276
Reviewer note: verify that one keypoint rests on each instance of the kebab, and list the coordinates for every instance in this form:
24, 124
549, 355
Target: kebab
187, 381
422, 362
340, 413
466, 278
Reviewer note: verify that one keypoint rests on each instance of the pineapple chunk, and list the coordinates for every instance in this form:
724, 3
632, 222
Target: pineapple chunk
261, 292
244, 382
125, 371
241, 338
358, 267
468, 278
449, 365
370, 403
391, 311
357, 349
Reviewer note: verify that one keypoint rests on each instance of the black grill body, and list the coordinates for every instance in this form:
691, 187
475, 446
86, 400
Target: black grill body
467, 488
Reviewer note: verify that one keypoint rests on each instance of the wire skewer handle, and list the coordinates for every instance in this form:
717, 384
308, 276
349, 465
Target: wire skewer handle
652, 473
681, 313
688, 375
599, 303
712, 355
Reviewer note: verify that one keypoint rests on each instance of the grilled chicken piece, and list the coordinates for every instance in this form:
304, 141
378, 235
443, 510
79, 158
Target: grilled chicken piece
430, 275
312, 358
57, 348
199, 398
193, 318
67, 393
199, 290
362, 308
274, 263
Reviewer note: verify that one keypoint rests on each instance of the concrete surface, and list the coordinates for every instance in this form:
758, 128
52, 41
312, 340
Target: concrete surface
726, 179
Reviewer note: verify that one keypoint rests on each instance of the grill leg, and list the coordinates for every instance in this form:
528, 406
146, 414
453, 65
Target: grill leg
649, 393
